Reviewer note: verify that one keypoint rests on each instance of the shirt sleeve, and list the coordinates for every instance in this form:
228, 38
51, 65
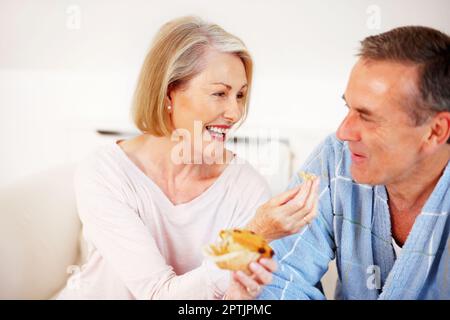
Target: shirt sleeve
303, 258
115, 229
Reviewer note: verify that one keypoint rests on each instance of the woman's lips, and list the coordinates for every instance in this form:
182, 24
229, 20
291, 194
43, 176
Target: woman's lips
218, 132
222, 126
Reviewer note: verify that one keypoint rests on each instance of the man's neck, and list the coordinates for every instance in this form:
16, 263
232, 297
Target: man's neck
410, 193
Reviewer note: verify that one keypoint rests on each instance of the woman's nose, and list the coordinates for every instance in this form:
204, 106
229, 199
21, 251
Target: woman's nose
233, 111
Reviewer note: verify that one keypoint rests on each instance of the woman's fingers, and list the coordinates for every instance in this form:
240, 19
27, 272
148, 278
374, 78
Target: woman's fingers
284, 197
269, 264
299, 201
304, 192
309, 217
286, 213
248, 284
308, 212
260, 273
245, 286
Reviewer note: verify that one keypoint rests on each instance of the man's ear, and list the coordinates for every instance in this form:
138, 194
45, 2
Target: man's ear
440, 128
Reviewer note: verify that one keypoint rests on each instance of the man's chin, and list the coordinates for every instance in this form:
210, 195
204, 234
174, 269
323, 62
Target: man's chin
362, 176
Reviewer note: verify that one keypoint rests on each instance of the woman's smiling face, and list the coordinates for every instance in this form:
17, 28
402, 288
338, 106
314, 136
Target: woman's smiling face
209, 104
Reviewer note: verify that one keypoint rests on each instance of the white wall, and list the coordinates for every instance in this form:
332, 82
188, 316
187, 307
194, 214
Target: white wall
69, 67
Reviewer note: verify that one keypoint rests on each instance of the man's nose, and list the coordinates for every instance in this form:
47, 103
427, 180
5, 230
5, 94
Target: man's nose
349, 128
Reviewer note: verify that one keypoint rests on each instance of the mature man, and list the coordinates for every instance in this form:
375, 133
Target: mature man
385, 181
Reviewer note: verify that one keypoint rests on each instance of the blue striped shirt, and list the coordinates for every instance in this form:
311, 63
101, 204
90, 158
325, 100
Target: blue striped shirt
353, 226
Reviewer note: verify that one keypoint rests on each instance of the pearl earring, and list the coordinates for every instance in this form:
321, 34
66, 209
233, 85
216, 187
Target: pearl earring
169, 108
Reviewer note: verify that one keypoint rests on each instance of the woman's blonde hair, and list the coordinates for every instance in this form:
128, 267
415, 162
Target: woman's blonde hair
176, 56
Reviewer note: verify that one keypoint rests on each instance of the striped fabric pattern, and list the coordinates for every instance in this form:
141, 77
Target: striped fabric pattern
353, 227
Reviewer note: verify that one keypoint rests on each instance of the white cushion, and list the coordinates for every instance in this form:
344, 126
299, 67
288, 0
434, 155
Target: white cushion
39, 234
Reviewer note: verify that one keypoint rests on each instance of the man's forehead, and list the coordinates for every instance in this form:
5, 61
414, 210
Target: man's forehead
376, 84
384, 77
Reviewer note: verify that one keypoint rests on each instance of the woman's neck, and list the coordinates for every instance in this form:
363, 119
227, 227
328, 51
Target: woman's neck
155, 156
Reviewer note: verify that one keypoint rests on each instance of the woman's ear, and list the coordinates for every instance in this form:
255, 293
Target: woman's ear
168, 103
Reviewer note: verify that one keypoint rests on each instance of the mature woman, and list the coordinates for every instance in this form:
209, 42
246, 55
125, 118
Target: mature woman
149, 204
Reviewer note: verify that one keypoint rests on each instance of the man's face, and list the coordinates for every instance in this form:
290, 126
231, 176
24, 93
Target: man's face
384, 142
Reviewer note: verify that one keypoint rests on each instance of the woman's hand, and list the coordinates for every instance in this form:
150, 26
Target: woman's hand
288, 212
246, 287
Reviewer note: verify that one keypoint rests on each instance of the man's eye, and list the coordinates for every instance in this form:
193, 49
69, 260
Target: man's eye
364, 117
219, 94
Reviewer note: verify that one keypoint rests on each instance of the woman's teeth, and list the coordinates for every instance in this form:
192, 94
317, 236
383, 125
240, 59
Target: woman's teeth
217, 130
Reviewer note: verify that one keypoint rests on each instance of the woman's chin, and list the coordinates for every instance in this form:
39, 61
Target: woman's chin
213, 153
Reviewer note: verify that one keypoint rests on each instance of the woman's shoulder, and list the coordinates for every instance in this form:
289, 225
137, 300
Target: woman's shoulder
103, 161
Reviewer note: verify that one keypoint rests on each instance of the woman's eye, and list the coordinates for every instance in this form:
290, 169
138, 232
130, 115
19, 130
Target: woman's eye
240, 96
219, 94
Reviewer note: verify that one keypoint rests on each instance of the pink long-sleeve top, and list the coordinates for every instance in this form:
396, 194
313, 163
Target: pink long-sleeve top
141, 245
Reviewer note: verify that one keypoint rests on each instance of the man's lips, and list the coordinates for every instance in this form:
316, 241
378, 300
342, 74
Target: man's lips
357, 157
357, 154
